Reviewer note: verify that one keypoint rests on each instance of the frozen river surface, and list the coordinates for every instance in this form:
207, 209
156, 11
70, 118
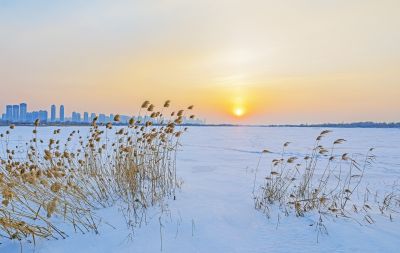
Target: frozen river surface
214, 210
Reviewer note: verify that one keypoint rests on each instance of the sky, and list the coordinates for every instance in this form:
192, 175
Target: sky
247, 62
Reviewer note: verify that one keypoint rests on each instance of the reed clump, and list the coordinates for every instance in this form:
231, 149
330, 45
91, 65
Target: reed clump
68, 178
327, 182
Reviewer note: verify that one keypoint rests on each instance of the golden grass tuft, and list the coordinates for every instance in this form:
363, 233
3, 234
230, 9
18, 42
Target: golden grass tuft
70, 178
326, 182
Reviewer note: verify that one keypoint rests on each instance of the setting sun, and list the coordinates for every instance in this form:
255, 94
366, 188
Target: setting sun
238, 111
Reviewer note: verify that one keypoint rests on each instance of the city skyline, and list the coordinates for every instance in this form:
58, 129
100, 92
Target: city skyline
19, 113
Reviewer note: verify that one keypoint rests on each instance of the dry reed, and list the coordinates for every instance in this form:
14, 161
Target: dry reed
69, 179
324, 183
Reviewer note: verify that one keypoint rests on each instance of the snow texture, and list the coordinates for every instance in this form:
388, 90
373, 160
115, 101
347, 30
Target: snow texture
214, 210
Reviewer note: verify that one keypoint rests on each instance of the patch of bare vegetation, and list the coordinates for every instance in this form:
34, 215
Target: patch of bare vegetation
327, 182
68, 179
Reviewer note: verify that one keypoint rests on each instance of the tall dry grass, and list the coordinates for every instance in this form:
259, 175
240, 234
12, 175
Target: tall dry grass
69, 179
326, 182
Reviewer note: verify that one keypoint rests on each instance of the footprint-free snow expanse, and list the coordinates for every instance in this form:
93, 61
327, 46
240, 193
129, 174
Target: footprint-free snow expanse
214, 210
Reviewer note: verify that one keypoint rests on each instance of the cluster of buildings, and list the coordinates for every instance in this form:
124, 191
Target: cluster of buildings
19, 113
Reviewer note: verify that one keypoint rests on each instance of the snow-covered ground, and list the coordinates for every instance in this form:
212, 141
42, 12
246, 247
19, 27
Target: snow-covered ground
214, 210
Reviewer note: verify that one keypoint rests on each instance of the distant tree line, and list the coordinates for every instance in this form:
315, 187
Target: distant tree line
368, 124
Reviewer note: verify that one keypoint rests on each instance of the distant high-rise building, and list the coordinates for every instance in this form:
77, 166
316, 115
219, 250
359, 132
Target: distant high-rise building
102, 118
86, 117
53, 113
124, 119
9, 113
23, 108
62, 113
15, 117
43, 116
92, 116
76, 117
29, 117
33, 116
